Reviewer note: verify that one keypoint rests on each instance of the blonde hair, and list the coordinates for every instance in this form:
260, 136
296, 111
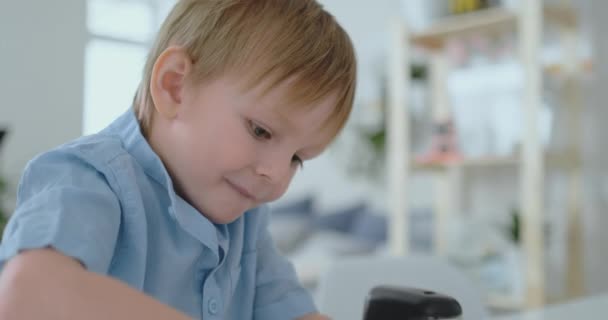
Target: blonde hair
274, 40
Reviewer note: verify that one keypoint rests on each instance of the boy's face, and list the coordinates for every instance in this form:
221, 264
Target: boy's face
229, 150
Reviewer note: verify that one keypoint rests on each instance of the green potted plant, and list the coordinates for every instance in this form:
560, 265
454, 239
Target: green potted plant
370, 155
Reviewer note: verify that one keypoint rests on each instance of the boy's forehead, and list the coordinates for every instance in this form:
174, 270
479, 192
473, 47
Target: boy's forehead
315, 115
289, 98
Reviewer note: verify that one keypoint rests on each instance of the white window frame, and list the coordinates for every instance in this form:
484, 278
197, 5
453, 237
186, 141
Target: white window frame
158, 8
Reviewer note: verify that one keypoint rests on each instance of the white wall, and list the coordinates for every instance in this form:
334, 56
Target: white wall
596, 153
367, 24
41, 77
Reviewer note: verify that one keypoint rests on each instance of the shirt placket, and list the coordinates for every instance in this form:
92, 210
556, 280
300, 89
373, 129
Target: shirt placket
212, 304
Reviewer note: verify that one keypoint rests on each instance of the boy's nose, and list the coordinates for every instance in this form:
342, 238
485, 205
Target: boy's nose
274, 168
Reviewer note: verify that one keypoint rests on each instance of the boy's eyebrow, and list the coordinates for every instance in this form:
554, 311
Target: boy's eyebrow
283, 119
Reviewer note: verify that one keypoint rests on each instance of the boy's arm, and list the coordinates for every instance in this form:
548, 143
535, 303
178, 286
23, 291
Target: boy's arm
45, 284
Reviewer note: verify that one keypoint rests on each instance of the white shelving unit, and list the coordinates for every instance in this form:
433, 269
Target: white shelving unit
531, 160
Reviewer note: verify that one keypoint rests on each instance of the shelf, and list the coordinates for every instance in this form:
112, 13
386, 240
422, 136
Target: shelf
486, 20
562, 159
504, 303
561, 14
556, 69
462, 24
473, 162
528, 162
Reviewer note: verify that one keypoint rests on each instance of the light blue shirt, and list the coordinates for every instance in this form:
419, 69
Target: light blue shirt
107, 200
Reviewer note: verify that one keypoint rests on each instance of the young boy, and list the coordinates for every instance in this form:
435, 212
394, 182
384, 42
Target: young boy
161, 215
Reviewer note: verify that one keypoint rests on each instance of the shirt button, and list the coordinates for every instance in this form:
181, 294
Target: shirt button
212, 306
171, 211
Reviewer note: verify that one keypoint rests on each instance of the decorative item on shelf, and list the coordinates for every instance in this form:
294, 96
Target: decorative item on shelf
464, 6
444, 149
515, 226
367, 153
419, 71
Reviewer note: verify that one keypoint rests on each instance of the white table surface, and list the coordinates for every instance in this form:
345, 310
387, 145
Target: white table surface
593, 307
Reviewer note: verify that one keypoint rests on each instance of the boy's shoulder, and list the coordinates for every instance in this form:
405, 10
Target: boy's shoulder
86, 162
99, 144
97, 150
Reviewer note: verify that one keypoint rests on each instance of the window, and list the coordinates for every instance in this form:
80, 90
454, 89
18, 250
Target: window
120, 34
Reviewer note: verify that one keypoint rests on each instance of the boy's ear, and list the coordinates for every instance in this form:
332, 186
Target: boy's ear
168, 80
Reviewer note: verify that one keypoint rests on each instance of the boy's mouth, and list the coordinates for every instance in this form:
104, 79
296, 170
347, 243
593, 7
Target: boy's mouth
241, 190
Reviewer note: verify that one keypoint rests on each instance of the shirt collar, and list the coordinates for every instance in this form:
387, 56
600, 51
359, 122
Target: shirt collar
189, 218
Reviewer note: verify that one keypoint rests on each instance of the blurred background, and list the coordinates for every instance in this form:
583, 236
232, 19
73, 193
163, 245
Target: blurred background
477, 133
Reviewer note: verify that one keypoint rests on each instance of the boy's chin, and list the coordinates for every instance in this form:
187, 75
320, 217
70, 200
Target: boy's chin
224, 217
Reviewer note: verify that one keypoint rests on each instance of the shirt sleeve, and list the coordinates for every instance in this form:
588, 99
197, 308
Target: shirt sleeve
279, 294
65, 203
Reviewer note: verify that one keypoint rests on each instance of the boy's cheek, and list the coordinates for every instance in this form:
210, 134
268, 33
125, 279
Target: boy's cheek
283, 189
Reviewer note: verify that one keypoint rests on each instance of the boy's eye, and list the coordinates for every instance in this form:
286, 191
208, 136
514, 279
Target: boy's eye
259, 132
297, 160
